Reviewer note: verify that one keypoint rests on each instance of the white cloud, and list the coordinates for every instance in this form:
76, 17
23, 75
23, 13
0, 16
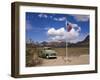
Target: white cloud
76, 26
56, 19
62, 35
72, 34
56, 32
42, 15
51, 17
60, 19
81, 17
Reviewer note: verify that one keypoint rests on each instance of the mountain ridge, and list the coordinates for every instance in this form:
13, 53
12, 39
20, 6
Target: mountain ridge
84, 43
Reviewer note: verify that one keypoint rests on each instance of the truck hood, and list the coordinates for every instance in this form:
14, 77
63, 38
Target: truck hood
50, 51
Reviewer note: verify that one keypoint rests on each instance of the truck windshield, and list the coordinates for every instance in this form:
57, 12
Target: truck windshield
53, 54
49, 48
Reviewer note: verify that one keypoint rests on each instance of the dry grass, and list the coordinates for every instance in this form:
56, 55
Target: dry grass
60, 51
32, 58
72, 51
78, 51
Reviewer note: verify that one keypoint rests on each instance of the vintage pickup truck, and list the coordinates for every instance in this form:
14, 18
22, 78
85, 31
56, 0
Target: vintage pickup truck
47, 52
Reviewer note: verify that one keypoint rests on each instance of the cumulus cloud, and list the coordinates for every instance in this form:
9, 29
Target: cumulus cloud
56, 34
76, 27
72, 34
81, 17
62, 34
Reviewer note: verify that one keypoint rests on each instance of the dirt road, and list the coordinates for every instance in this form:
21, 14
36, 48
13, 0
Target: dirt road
61, 60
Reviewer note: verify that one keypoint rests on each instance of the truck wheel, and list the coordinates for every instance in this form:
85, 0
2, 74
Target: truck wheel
47, 57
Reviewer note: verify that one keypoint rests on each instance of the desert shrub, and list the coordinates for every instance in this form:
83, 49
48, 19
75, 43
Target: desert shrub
32, 58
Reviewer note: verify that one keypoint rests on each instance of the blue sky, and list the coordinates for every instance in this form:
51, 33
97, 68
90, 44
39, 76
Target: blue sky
37, 25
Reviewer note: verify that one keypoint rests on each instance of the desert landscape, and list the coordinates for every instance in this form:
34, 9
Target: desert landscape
66, 34
77, 54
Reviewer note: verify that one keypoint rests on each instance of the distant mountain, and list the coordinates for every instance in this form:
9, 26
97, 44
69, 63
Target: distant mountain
86, 39
84, 43
53, 44
44, 43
